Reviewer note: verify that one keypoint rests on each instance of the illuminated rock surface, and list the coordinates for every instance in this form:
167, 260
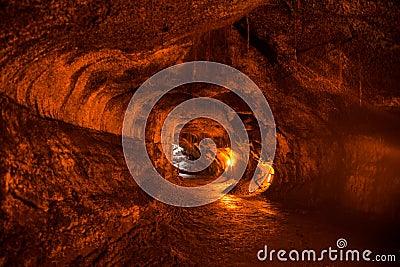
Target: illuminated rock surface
330, 73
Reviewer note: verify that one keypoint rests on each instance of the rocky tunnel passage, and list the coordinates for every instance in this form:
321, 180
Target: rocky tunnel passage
328, 70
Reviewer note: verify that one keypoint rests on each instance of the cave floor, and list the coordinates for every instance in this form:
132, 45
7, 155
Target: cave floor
231, 231
68, 198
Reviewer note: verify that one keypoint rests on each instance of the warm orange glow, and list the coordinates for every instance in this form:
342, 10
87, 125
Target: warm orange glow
227, 157
229, 162
270, 175
269, 178
267, 181
229, 201
230, 159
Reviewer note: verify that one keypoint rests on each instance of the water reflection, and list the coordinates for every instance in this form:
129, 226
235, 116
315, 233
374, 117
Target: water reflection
229, 201
248, 204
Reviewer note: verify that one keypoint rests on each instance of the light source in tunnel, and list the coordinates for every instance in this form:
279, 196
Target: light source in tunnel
270, 175
229, 163
228, 157
223, 159
267, 182
231, 160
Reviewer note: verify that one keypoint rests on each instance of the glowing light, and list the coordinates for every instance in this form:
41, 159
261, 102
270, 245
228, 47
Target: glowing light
267, 182
230, 160
270, 174
269, 178
229, 201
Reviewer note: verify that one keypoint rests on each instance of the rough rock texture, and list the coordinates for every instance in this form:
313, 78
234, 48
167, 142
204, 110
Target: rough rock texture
80, 62
58, 180
337, 61
68, 71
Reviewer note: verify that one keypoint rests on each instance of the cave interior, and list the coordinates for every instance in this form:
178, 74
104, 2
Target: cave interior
329, 70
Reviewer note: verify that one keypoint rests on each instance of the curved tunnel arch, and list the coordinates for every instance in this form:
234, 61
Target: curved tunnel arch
73, 185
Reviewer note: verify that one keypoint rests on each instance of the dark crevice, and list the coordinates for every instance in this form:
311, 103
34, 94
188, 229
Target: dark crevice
264, 46
25, 201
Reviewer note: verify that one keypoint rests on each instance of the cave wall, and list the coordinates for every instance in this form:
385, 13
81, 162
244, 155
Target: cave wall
337, 143
74, 61
332, 150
